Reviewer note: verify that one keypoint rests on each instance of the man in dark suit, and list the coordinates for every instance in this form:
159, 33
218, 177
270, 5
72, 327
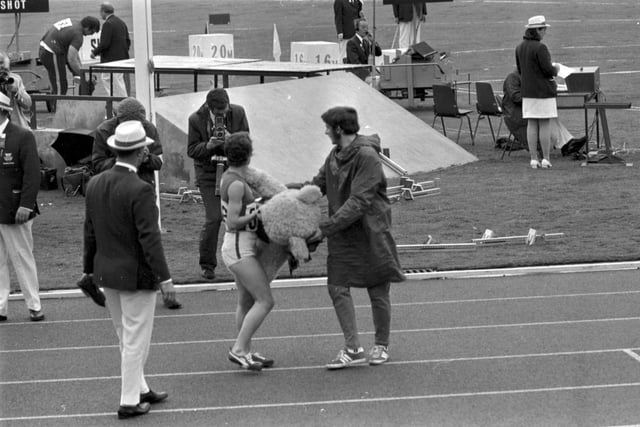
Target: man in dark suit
359, 49
103, 158
19, 184
208, 128
345, 13
114, 45
123, 253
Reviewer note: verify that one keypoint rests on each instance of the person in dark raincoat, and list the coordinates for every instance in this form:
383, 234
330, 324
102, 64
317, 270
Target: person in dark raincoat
362, 252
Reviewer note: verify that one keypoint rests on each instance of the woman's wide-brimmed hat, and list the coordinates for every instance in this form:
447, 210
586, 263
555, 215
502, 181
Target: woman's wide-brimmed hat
129, 135
537, 21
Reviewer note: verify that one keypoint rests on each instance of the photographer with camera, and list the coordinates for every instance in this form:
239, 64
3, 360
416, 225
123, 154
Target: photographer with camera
208, 128
11, 85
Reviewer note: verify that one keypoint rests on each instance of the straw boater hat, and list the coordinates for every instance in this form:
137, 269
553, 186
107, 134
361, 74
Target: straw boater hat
129, 136
537, 21
5, 102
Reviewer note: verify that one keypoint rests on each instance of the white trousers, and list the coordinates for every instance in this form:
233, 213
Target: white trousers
343, 48
119, 88
16, 243
132, 315
409, 32
560, 135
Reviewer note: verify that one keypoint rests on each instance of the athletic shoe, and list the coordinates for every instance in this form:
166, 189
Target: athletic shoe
545, 164
245, 361
534, 164
266, 362
346, 358
378, 355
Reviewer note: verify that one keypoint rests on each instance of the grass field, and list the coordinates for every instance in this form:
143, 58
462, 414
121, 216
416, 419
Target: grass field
595, 206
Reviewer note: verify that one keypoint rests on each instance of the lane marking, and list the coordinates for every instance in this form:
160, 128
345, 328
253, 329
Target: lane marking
322, 367
330, 308
344, 401
305, 336
633, 354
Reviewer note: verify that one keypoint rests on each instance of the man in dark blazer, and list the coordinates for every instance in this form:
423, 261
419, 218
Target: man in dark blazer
409, 17
345, 13
208, 128
123, 253
114, 45
19, 184
359, 49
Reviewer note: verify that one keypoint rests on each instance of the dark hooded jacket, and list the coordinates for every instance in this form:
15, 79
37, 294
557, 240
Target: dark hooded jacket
362, 252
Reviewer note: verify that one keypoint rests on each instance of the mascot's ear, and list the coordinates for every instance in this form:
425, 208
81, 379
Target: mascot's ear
309, 194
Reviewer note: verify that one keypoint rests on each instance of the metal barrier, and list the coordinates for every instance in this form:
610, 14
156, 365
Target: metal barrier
109, 100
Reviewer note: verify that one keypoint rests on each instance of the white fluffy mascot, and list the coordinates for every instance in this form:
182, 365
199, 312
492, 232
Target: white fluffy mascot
288, 216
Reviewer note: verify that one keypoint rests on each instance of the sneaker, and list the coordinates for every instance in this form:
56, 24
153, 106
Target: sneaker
378, 355
546, 164
208, 274
534, 164
266, 362
245, 361
346, 358
36, 315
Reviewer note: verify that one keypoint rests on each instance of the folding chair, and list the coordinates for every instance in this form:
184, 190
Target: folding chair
445, 104
488, 106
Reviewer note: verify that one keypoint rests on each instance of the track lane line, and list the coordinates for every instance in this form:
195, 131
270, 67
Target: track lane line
323, 367
342, 401
359, 307
304, 336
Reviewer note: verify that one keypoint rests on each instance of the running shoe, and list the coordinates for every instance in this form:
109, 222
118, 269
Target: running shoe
245, 361
534, 164
378, 355
266, 362
346, 358
546, 164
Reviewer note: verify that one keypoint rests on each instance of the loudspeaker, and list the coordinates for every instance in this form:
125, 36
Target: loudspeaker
583, 79
423, 50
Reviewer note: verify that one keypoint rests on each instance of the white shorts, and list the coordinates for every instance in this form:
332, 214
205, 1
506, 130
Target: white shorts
539, 108
238, 245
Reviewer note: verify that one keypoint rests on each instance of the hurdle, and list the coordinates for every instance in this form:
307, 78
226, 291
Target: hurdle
184, 195
409, 190
488, 239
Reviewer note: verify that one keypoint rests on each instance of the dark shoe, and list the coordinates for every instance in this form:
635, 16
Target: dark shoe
133, 411
245, 361
152, 397
36, 315
208, 274
266, 362
91, 290
3, 318
172, 304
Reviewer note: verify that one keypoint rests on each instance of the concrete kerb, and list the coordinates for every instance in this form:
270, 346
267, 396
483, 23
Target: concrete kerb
427, 275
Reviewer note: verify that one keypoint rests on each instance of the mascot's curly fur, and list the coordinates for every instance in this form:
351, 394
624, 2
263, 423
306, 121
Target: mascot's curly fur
288, 216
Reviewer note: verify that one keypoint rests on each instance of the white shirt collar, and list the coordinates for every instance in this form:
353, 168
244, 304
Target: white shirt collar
128, 166
3, 126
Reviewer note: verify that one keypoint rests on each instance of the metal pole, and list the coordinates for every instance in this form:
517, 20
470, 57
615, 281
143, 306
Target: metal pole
144, 69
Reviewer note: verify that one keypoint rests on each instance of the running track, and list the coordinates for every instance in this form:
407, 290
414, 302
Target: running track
534, 350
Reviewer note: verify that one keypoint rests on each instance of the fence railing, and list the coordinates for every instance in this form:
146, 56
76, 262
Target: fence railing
35, 97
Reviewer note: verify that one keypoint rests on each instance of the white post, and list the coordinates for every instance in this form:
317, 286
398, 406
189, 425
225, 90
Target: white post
144, 74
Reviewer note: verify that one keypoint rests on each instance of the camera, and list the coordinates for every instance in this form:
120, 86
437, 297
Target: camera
219, 129
6, 79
